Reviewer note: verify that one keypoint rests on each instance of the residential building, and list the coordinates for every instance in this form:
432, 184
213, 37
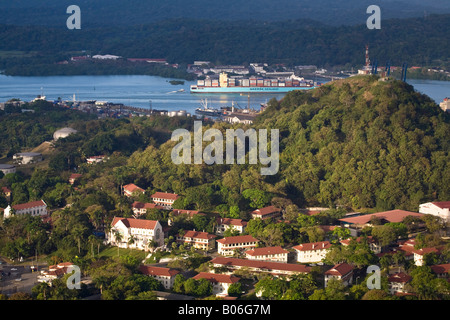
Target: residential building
164, 199
275, 254
374, 246
74, 177
266, 213
7, 193
223, 224
274, 268
164, 275
420, 253
220, 282
355, 224
244, 118
27, 158
397, 283
54, 272
34, 208
312, 252
141, 208
7, 168
341, 271
197, 239
189, 214
95, 159
131, 189
228, 245
440, 209
135, 233
441, 270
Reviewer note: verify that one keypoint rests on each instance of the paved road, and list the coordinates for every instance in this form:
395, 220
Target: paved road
16, 278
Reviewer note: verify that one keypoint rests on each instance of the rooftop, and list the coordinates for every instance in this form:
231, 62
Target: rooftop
266, 251
158, 271
135, 223
264, 265
391, 216
313, 246
165, 195
29, 205
217, 278
340, 269
237, 239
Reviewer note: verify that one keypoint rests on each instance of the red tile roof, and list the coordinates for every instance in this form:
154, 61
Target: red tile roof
266, 251
340, 269
264, 265
400, 277
346, 242
135, 223
132, 188
190, 213
217, 278
6, 190
441, 268
75, 175
321, 245
230, 221
266, 210
165, 195
30, 205
391, 216
442, 204
147, 205
198, 235
237, 239
158, 271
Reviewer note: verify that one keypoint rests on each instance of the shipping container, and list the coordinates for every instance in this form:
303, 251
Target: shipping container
201, 83
245, 82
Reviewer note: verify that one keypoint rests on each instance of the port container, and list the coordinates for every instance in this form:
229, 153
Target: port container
245, 82
267, 83
281, 84
215, 83
208, 83
201, 83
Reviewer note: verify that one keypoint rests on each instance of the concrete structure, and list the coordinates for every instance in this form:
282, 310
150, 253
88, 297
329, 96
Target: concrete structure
7, 168
27, 157
34, 208
440, 209
341, 271
142, 232
63, 133
164, 199
275, 254
197, 239
266, 212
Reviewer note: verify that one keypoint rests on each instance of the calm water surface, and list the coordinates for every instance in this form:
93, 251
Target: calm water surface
145, 91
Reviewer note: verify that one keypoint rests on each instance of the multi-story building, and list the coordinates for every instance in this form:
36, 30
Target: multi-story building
135, 233
440, 209
164, 199
164, 275
266, 212
228, 245
275, 254
132, 189
397, 283
341, 271
223, 224
141, 208
197, 239
312, 252
220, 282
34, 208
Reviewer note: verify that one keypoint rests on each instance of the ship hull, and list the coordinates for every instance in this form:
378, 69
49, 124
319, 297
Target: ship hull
199, 89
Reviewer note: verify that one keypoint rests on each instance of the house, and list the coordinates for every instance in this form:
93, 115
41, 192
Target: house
189, 214
27, 158
266, 212
74, 177
164, 275
34, 208
132, 189
164, 199
95, 159
355, 224
228, 245
274, 268
197, 239
141, 208
312, 252
6, 192
220, 282
341, 271
135, 233
407, 247
397, 282
373, 245
7, 168
441, 270
223, 224
240, 118
439, 209
275, 254
54, 272
420, 253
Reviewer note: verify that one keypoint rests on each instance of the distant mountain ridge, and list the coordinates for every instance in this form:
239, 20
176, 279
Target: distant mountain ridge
102, 13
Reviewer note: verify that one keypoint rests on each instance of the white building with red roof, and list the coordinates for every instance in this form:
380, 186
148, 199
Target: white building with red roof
141, 208
220, 282
34, 208
341, 271
135, 233
54, 272
164, 199
223, 224
164, 275
275, 254
441, 270
374, 246
132, 189
188, 214
228, 245
397, 283
419, 254
312, 252
197, 239
266, 213
440, 209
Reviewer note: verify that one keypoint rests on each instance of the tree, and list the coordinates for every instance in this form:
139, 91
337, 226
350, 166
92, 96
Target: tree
235, 289
256, 198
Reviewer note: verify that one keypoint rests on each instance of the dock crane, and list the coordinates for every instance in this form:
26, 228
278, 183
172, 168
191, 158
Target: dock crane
404, 70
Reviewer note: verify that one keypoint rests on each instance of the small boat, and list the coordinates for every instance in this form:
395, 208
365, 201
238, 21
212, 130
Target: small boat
205, 110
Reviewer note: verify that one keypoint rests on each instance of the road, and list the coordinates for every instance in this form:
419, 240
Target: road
10, 275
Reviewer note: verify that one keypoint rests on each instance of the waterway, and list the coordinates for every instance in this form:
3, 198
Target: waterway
151, 92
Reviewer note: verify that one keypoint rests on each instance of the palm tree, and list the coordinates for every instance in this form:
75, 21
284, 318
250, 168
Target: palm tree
92, 240
117, 239
131, 240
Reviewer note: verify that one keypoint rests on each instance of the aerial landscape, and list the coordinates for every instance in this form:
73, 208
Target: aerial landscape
233, 154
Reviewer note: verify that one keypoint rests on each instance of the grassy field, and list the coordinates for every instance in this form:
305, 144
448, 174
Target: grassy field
112, 252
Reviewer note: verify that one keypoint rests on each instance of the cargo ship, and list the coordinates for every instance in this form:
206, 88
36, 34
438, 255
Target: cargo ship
251, 85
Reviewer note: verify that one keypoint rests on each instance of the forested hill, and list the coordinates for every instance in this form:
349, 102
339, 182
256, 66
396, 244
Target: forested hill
417, 41
363, 143
357, 143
